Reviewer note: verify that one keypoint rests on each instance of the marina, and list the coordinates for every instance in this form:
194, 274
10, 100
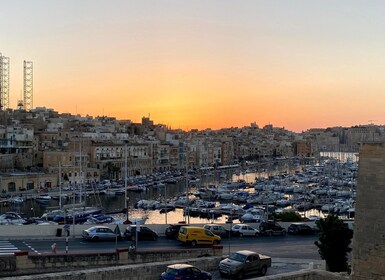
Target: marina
235, 194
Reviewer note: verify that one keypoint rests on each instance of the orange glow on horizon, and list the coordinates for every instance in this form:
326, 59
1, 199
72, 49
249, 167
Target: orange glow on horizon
192, 65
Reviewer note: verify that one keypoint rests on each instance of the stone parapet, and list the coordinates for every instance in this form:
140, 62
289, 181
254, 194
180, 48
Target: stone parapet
145, 271
32, 264
307, 275
153, 270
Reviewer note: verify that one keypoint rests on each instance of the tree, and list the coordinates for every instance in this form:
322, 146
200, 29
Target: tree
333, 244
289, 216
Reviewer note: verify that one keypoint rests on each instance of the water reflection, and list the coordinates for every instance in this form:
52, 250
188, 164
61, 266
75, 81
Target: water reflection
115, 203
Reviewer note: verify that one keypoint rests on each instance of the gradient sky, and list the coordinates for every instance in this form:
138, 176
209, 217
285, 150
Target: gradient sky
199, 64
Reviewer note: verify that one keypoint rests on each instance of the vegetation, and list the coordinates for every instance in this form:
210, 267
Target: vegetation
289, 216
333, 244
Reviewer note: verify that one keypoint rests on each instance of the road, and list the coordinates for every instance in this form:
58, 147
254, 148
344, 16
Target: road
298, 247
278, 247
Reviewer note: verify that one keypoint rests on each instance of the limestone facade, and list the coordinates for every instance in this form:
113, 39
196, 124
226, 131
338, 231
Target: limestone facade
369, 229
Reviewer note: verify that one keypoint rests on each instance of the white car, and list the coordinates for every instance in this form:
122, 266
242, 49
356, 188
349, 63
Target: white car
244, 230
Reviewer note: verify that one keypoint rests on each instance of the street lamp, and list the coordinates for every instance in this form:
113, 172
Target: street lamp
187, 189
165, 201
125, 180
230, 222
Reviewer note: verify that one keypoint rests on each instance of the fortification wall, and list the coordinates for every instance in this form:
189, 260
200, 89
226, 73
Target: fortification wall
369, 231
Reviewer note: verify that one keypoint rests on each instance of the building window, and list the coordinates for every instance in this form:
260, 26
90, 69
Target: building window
11, 187
30, 186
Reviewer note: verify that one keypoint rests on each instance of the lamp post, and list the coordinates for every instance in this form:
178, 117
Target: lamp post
187, 191
125, 181
165, 201
60, 193
230, 222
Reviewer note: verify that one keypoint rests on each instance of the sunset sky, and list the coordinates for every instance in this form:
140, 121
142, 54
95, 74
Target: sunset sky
200, 64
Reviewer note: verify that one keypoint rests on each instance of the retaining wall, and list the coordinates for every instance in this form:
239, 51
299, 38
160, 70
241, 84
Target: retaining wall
153, 270
21, 263
149, 271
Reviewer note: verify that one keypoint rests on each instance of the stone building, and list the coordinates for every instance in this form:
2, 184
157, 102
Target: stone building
109, 159
302, 149
73, 165
15, 182
369, 229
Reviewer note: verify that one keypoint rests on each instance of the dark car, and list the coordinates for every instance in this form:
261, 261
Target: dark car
172, 231
217, 229
100, 233
184, 272
144, 233
300, 229
271, 228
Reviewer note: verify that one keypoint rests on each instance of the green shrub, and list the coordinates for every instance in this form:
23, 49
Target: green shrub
289, 216
333, 244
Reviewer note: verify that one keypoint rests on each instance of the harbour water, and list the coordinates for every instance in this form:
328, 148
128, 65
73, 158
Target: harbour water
115, 203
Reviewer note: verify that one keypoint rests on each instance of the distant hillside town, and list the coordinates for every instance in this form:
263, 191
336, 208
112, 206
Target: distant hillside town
39, 144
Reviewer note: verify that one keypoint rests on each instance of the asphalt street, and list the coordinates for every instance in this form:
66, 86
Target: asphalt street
289, 253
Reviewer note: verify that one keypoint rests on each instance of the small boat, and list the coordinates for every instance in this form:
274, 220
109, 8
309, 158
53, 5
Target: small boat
166, 209
43, 199
16, 200
120, 192
11, 218
253, 215
137, 188
38, 221
77, 215
99, 219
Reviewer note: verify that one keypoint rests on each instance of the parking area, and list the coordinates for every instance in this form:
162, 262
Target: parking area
280, 266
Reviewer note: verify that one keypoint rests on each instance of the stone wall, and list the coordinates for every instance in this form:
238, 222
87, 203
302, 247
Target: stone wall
7, 263
153, 270
22, 263
148, 271
306, 275
369, 232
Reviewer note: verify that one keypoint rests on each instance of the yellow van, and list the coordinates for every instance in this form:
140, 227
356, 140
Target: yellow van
197, 236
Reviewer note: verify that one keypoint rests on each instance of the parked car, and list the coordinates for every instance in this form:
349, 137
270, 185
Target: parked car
100, 233
217, 229
243, 230
183, 272
243, 263
300, 229
271, 228
197, 236
145, 233
172, 231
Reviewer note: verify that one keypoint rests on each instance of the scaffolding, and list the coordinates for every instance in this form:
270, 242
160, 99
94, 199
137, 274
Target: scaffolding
28, 85
4, 82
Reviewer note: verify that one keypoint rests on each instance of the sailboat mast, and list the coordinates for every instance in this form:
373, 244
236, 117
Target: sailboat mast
125, 180
187, 189
60, 203
80, 173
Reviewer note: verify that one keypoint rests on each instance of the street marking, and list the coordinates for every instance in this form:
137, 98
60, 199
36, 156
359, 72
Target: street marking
7, 248
31, 248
